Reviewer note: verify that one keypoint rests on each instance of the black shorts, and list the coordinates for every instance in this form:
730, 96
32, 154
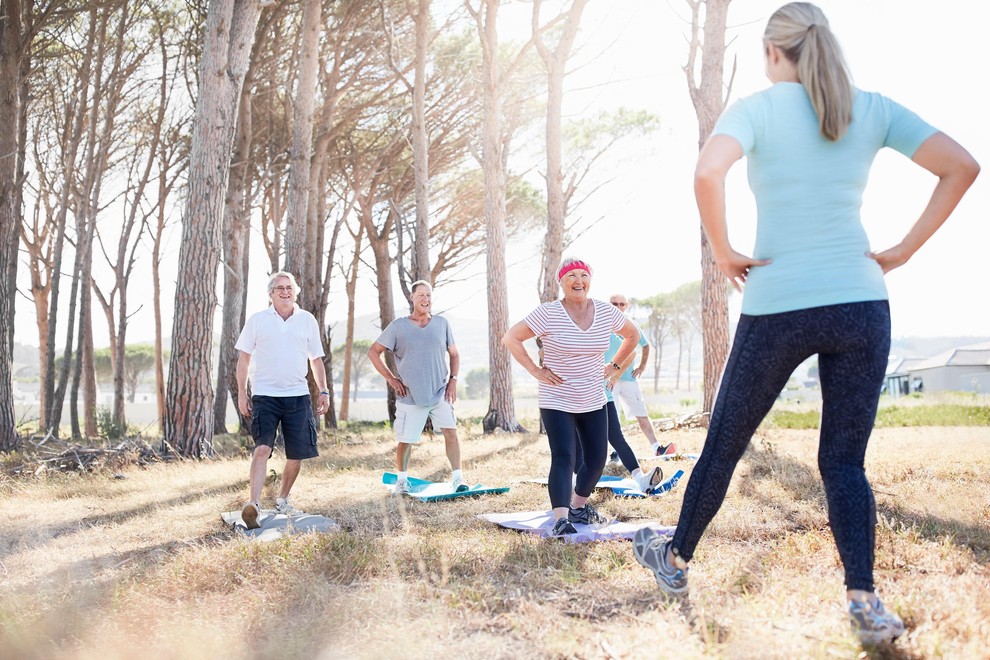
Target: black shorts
295, 414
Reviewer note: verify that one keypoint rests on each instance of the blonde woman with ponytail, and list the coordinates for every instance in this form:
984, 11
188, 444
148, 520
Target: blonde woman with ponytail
813, 284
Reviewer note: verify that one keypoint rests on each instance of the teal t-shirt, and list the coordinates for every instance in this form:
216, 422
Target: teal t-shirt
614, 342
809, 191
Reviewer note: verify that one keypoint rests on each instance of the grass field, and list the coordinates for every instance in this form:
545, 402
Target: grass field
93, 566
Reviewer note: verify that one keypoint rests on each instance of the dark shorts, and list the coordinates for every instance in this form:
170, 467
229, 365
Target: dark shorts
295, 414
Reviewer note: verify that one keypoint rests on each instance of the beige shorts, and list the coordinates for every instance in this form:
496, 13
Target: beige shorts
411, 420
631, 397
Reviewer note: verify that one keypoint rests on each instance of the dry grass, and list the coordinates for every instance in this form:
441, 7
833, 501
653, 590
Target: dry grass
97, 567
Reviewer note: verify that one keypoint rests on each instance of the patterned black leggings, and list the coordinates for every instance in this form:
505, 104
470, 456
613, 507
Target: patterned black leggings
852, 342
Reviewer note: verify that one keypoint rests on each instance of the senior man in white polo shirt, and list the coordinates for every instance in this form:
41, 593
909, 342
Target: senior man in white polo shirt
426, 385
281, 340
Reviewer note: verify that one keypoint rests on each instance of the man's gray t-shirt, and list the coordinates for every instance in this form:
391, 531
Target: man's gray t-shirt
420, 357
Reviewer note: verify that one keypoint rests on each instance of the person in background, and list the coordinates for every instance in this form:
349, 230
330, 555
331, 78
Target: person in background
813, 285
573, 332
284, 343
427, 361
627, 388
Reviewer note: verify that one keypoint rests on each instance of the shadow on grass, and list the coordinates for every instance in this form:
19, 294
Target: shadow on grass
18, 537
803, 483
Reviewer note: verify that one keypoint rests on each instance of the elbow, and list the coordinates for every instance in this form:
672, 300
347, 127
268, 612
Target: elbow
971, 170
707, 178
506, 340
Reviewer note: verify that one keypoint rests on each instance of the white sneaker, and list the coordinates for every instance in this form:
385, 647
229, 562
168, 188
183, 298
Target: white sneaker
401, 488
250, 513
459, 485
647, 481
284, 507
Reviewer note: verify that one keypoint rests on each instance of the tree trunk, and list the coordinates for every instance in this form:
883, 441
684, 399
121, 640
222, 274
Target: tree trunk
228, 37
420, 144
10, 221
501, 406
383, 278
236, 234
709, 102
301, 152
556, 63
351, 288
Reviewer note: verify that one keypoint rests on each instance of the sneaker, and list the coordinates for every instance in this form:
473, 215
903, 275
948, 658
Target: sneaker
647, 481
563, 526
401, 488
284, 507
873, 624
651, 551
587, 515
664, 450
613, 458
250, 513
459, 485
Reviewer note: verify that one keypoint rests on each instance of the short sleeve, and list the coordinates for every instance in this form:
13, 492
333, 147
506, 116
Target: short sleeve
642, 337
387, 338
618, 318
737, 123
450, 333
315, 348
247, 340
538, 320
906, 131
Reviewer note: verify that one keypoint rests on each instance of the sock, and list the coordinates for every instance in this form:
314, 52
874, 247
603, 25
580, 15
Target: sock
455, 475
656, 446
638, 472
402, 476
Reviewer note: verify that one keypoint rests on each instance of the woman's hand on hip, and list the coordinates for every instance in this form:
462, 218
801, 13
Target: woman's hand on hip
736, 267
547, 377
891, 258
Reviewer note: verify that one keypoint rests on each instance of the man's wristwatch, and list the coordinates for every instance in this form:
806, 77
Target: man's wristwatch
324, 392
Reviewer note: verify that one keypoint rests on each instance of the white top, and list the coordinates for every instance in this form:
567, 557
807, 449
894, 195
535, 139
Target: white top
280, 350
574, 354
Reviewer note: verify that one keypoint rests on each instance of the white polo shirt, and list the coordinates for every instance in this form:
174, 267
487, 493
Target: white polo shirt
280, 350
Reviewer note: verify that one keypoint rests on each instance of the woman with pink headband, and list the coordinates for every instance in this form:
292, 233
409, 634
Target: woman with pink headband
574, 332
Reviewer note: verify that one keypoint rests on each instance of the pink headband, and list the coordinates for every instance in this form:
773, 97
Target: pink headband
572, 266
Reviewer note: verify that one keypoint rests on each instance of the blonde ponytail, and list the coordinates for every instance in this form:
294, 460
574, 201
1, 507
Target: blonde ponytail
801, 31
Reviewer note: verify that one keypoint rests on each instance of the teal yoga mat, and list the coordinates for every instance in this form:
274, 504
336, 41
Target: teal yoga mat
431, 491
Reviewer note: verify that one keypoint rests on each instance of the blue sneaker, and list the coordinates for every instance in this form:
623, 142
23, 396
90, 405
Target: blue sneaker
651, 551
873, 624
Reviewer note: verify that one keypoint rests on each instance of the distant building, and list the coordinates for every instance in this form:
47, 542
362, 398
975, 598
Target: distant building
897, 382
962, 369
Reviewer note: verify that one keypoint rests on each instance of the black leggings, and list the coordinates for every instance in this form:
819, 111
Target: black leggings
565, 433
852, 342
616, 439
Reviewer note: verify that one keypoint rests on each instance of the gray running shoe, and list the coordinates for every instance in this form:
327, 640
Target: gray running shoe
250, 513
587, 515
401, 488
873, 624
563, 526
651, 551
613, 458
459, 485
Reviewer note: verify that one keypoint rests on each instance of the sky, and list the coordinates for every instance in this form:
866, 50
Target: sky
928, 56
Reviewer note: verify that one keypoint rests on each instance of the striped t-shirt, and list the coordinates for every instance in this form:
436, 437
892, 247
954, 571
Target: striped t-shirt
574, 354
